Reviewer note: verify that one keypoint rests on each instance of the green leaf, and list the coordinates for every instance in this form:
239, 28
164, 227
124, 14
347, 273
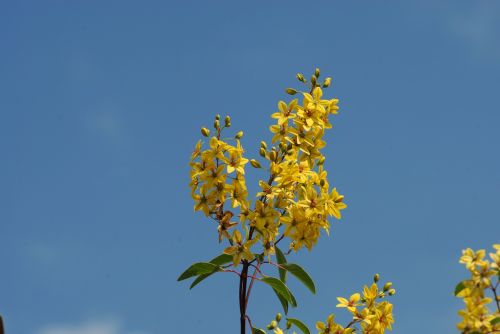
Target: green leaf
283, 301
222, 259
495, 321
258, 331
294, 301
280, 257
460, 286
219, 260
280, 288
300, 325
199, 268
301, 274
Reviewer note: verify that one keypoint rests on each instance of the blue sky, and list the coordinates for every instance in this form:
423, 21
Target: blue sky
101, 104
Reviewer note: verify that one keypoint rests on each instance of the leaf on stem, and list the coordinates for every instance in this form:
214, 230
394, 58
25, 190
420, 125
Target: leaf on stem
199, 268
283, 301
303, 328
280, 289
280, 257
219, 260
301, 275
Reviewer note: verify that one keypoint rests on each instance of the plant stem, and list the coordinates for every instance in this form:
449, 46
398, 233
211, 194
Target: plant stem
243, 297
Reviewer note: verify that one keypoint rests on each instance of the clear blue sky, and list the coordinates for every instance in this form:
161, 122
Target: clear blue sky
101, 103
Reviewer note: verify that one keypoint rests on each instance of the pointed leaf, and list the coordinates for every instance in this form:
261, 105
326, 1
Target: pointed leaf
219, 260
222, 259
495, 321
294, 301
198, 280
301, 274
280, 257
258, 331
199, 268
300, 325
280, 288
283, 301
460, 286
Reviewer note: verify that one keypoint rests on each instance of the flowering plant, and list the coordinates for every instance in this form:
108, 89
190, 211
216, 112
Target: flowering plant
287, 214
477, 317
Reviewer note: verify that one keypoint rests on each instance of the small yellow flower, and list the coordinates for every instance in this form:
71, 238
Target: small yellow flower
351, 303
240, 250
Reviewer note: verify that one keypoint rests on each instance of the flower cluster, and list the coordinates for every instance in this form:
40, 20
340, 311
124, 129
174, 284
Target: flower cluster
484, 278
295, 201
369, 311
217, 176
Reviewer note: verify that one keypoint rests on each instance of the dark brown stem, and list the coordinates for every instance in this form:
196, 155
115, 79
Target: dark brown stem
493, 288
243, 297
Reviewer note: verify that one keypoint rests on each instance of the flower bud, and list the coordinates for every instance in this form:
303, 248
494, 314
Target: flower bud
263, 144
381, 295
262, 152
392, 292
272, 325
327, 82
376, 278
322, 183
255, 163
313, 80
321, 161
272, 155
283, 147
316, 73
217, 117
278, 317
291, 91
239, 134
387, 286
288, 325
205, 132
227, 121
289, 152
300, 77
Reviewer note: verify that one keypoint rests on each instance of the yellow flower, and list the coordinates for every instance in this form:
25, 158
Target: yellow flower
204, 202
214, 175
235, 162
224, 225
295, 216
240, 250
196, 151
328, 327
304, 236
335, 203
286, 112
370, 293
217, 148
280, 132
384, 315
206, 163
238, 193
351, 303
